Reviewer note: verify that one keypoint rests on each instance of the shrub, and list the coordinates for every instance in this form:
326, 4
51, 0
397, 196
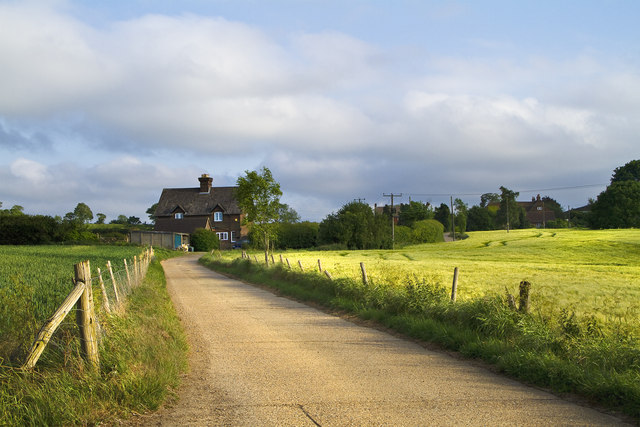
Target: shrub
428, 231
204, 240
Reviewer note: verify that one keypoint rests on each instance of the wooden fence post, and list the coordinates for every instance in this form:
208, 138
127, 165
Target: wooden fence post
126, 268
47, 330
328, 275
319, 266
288, 264
300, 264
365, 279
136, 273
105, 298
113, 282
281, 259
525, 287
85, 315
454, 286
272, 261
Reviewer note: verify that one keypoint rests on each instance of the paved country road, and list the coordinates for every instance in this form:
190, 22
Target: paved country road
260, 359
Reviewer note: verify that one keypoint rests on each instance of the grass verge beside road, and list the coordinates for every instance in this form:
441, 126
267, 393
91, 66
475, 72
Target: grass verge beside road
142, 354
563, 353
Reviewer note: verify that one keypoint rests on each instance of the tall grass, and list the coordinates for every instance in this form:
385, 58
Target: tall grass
142, 353
565, 352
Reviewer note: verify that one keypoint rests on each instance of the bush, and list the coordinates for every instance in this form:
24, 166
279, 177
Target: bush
428, 231
298, 235
204, 240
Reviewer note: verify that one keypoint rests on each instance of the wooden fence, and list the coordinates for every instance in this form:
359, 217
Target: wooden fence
525, 286
82, 298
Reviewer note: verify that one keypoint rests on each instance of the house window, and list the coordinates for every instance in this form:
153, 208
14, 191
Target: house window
178, 215
223, 235
233, 236
539, 208
217, 216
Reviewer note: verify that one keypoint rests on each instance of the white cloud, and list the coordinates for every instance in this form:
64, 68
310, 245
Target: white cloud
333, 115
30, 170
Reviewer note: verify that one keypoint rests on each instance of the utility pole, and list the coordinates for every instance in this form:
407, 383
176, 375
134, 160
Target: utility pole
453, 221
393, 216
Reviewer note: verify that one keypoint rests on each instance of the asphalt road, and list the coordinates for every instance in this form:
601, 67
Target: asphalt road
259, 359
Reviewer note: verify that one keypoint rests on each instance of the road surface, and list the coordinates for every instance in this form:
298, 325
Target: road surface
259, 359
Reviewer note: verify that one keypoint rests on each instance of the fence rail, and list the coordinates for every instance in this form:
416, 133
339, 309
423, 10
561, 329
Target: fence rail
82, 297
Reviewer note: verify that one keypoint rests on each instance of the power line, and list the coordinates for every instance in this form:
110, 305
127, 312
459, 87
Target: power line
519, 191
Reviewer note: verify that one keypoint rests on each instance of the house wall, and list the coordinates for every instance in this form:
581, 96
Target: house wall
228, 224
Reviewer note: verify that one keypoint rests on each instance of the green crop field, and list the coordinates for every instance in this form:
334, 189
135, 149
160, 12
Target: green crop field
34, 280
589, 272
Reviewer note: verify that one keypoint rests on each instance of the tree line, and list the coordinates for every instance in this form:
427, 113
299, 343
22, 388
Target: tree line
19, 228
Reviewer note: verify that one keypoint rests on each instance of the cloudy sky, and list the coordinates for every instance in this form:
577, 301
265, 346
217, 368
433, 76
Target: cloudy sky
109, 102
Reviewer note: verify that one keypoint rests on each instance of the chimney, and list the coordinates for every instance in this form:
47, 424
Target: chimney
205, 183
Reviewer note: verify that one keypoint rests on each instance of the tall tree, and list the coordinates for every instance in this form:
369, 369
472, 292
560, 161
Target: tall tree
357, 227
628, 172
101, 217
414, 211
619, 205
443, 214
287, 215
487, 198
461, 215
82, 213
509, 212
258, 196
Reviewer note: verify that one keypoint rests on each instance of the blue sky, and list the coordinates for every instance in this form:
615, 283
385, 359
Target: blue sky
109, 102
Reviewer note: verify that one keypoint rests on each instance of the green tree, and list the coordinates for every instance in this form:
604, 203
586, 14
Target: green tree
617, 207
356, 226
414, 211
121, 219
101, 218
443, 215
509, 213
628, 172
488, 198
82, 213
152, 212
287, 215
461, 215
258, 196
479, 218
134, 220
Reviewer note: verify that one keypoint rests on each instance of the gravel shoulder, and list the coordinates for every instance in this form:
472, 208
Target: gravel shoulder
260, 359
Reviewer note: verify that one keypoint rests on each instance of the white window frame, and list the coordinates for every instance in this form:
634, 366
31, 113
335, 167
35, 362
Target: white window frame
217, 216
223, 235
233, 236
178, 215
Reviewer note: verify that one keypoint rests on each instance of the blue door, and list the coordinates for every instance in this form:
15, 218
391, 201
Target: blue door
177, 241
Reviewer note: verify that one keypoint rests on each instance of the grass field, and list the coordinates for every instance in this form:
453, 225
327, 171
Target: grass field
34, 280
142, 348
590, 272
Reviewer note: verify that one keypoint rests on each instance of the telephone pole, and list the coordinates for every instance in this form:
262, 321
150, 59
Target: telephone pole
393, 221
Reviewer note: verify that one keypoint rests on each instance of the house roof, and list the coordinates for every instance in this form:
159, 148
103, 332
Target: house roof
195, 203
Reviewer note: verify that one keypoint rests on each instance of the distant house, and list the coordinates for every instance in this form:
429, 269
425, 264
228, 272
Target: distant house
537, 214
183, 210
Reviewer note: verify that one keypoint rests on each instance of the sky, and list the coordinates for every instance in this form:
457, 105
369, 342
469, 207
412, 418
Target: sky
107, 103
